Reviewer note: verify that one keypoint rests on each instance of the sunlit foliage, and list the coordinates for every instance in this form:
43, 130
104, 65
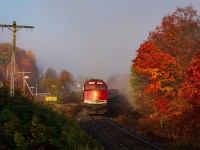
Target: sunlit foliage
165, 76
51, 85
60, 86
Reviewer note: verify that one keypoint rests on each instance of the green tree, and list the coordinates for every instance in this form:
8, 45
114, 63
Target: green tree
27, 125
51, 85
8, 125
20, 141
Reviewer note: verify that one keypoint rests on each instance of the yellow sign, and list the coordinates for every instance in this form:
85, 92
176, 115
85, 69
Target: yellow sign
50, 98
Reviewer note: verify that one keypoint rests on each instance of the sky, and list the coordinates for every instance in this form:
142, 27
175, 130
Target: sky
91, 38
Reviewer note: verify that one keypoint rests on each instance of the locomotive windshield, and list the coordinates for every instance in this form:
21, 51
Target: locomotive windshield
90, 87
101, 87
95, 85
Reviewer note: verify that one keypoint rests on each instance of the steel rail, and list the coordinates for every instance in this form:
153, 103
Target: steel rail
111, 135
105, 124
132, 135
117, 139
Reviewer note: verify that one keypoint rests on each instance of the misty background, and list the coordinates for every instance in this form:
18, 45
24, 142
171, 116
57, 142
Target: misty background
90, 38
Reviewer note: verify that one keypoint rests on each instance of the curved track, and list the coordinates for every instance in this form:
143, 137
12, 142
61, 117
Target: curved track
118, 136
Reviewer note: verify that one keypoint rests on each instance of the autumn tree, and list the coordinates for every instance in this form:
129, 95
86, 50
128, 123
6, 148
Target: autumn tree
192, 83
51, 86
3, 62
191, 92
161, 68
5, 53
179, 34
60, 85
66, 81
24, 61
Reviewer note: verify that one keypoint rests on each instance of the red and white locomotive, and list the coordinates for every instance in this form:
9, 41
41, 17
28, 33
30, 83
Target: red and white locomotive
95, 96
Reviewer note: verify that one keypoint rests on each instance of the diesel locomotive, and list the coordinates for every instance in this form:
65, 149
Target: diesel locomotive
96, 95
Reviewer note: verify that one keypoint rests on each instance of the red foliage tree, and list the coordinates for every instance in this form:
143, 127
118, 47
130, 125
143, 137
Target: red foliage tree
192, 84
167, 72
191, 90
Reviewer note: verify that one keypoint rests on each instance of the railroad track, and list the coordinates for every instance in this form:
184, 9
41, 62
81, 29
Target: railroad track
119, 137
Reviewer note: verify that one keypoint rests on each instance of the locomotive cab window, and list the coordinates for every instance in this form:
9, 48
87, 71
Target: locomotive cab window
89, 87
101, 87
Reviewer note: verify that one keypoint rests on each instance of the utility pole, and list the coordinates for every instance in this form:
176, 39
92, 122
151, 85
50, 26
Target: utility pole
14, 28
23, 80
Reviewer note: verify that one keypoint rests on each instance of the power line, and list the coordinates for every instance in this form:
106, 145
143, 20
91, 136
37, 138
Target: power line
14, 28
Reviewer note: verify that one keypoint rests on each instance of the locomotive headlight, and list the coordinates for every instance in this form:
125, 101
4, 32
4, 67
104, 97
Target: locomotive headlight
95, 94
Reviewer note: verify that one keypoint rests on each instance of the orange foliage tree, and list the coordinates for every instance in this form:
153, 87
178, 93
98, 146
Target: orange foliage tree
66, 80
161, 78
24, 61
